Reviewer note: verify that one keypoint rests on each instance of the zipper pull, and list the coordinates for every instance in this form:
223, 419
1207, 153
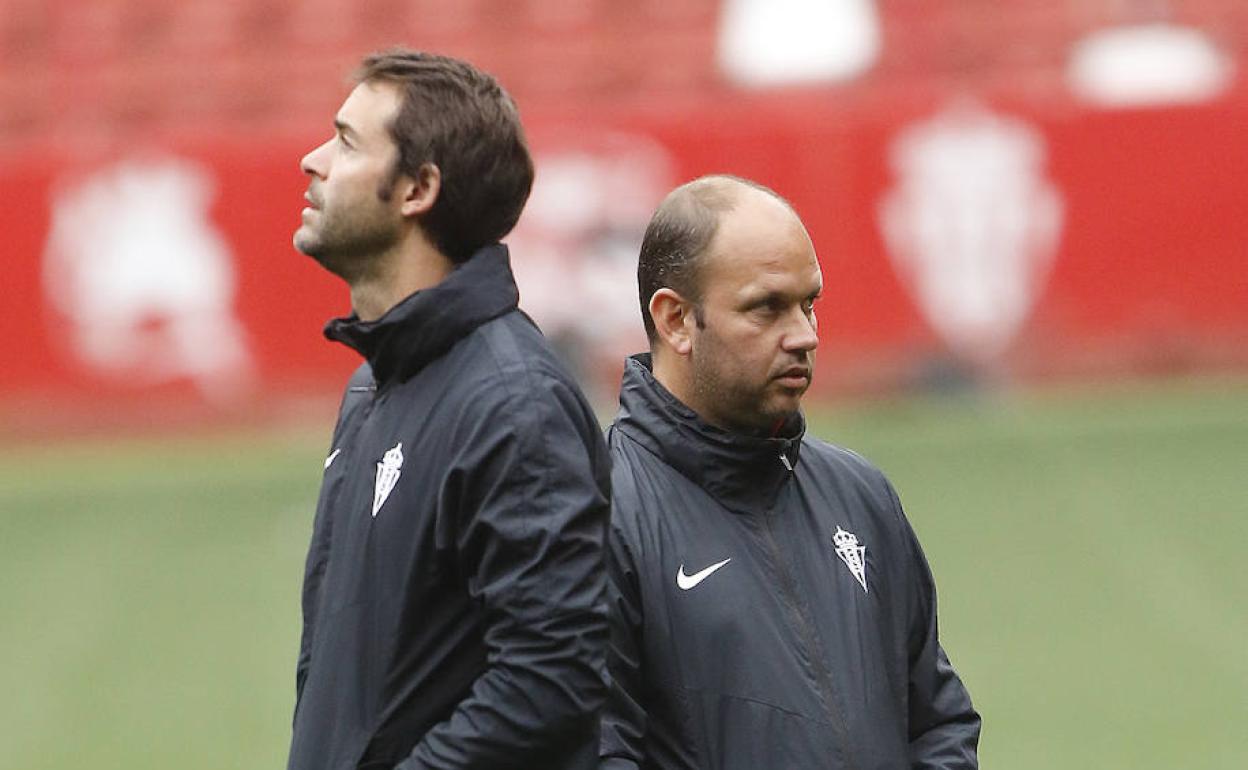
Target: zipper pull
785, 461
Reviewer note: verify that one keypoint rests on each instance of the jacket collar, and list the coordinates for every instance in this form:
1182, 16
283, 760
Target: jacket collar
429, 322
743, 473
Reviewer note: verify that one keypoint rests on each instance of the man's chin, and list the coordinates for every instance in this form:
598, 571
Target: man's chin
782, 409
767, 419
308, 245
787, 400
305, 242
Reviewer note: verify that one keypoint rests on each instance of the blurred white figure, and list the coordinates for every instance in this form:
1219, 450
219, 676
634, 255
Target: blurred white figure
146, 279
782, 42
574, 251
972, 224
1148, 65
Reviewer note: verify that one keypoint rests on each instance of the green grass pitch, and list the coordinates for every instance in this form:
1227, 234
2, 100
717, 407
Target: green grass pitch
1089, 548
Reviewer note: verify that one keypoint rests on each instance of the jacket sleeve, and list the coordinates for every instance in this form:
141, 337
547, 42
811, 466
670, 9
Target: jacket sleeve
527, 501
944, 726
624, 719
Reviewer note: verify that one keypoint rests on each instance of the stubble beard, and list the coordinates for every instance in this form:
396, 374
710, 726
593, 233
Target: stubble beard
347, 246
739, 405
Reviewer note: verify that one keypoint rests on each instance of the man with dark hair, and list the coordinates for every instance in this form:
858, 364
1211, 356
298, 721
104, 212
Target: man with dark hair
454, 595
770, 604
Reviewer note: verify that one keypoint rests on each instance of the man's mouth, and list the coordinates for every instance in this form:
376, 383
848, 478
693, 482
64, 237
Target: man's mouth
794, 377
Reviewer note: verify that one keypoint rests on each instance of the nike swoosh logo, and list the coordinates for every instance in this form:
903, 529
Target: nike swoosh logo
685, 582
332, 456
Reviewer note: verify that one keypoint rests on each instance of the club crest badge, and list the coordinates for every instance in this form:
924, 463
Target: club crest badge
973, 224
853, 554
388, 472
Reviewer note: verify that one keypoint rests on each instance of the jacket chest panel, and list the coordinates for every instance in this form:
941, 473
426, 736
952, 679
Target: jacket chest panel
863, 573
381, 492
842, 547
749, 603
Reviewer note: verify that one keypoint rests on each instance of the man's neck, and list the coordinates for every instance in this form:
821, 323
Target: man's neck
674, 374
397, 276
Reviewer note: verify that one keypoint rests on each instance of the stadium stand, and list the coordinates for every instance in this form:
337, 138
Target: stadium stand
70, 70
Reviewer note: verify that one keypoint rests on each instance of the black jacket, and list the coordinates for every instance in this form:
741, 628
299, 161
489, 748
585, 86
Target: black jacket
454, 596
741, 636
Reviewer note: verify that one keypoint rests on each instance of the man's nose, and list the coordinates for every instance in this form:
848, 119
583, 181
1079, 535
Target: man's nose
802, 334
314, 163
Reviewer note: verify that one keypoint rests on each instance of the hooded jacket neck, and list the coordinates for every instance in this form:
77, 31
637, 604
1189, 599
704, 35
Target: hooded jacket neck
428, 323
743, 473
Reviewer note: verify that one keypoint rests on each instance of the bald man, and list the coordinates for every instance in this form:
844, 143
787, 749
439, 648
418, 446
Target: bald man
771, 607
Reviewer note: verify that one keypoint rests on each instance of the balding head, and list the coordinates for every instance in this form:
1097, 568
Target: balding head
680, 232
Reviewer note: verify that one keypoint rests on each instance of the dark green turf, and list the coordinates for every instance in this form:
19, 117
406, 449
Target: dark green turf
1089, 548
149, 601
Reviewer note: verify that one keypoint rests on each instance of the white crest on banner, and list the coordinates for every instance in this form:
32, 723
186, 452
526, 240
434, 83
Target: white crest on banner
146, 280
574, 251
972, 224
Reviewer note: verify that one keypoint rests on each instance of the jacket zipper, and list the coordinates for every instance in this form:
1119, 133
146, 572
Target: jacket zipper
806, 634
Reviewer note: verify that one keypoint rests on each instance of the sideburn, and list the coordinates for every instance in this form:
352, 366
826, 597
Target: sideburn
385, 190
699, 317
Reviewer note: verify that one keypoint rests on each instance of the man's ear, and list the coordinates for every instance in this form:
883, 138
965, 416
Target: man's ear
420, 193
673, 320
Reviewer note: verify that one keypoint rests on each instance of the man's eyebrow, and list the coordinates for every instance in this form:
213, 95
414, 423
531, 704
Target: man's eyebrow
762, 297
344, 128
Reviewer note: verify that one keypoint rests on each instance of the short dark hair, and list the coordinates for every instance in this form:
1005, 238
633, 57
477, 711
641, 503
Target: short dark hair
459, 119
678, 235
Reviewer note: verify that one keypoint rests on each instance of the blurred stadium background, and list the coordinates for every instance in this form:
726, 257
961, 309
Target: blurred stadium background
1032, 220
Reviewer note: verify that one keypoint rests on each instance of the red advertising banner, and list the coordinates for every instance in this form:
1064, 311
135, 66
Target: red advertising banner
991, 236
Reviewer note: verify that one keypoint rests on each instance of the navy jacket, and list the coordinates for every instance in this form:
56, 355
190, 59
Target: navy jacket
454, 595
771, 606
